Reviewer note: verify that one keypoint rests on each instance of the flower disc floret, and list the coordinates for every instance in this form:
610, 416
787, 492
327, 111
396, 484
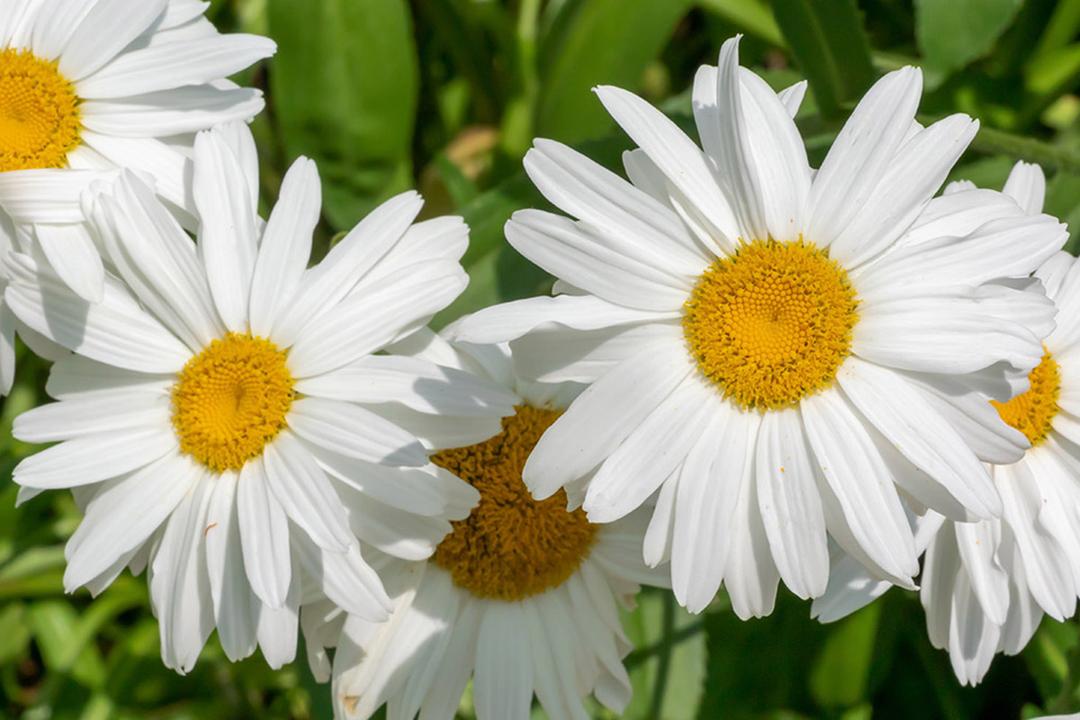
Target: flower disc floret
772, 323
1033, 412
511, 546
39, 113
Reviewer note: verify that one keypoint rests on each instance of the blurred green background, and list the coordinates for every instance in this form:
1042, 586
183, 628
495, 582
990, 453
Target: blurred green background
445, 96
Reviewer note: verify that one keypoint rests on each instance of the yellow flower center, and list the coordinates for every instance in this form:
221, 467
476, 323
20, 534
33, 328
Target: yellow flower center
772, 323
231, 400
511, 546
1032, 412
39, 113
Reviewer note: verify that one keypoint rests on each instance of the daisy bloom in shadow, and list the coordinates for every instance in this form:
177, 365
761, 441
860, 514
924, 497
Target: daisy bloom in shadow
220, 418
522, 596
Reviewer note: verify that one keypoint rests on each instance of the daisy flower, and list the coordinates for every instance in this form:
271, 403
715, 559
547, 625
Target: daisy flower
223, 418
522, 596
774, 353
87, 85
987, 584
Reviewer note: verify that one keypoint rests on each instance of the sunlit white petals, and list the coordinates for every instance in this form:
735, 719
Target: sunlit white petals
167, 397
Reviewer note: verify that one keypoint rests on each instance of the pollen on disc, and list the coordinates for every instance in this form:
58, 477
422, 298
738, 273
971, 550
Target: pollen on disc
231, 400
1033, 412
39, 113
772, 323
511, 546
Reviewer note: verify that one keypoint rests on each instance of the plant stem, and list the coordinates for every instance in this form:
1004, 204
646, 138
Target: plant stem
667, 646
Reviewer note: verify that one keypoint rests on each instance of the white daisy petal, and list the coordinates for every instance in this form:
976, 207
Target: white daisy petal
987, 579
792, 97
355, 432
504, 675
369, 321
105, 30
179, 586
71, 252
305, 493
286, 245
790, 505
1027, 186
171, 65
649, 454
264, 535
326, 284
855, 472
234, 612
575, 253
861, 153
603, 416
124, 513
227, 227
925, 438
170, 112
86, 415
56, 21
619, 215
96, 457
682, 162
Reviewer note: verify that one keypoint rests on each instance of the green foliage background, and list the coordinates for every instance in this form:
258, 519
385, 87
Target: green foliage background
445, 96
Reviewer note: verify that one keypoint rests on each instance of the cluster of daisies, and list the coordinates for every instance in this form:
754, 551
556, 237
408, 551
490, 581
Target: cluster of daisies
750, 371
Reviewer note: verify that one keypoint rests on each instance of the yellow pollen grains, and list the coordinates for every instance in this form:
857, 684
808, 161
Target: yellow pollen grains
39, 113
1032, 412
772, 323
231, 400
511, 546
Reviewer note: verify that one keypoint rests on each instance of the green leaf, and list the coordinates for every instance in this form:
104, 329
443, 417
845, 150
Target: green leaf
842, 670
593, 43
830, 45
344, 88
753, 16
952, 33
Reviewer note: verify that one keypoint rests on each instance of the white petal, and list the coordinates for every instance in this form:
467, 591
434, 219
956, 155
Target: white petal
75, 377
115, 331
124, 513
234, 611
904, 188
264, 534
346, 579
575, 254
44, 196
855, 472
924, 437
416, 383
503, 683
157, 260
86, 415
305, 492
655, 448
861, 154
714, 476
369, 321
104, 32
626, 219
174, 64
286, 245
1027, 186
324, 286
93, 458
171, 112
790, 505
355, 432
511, 320
167, 165
73, 256
603, 416
679, 159
988, 582
227, 226
179, 585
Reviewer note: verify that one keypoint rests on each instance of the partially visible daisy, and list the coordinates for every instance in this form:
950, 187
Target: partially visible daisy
87, 85
222, 417
775, 353
987, 584
522, 596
